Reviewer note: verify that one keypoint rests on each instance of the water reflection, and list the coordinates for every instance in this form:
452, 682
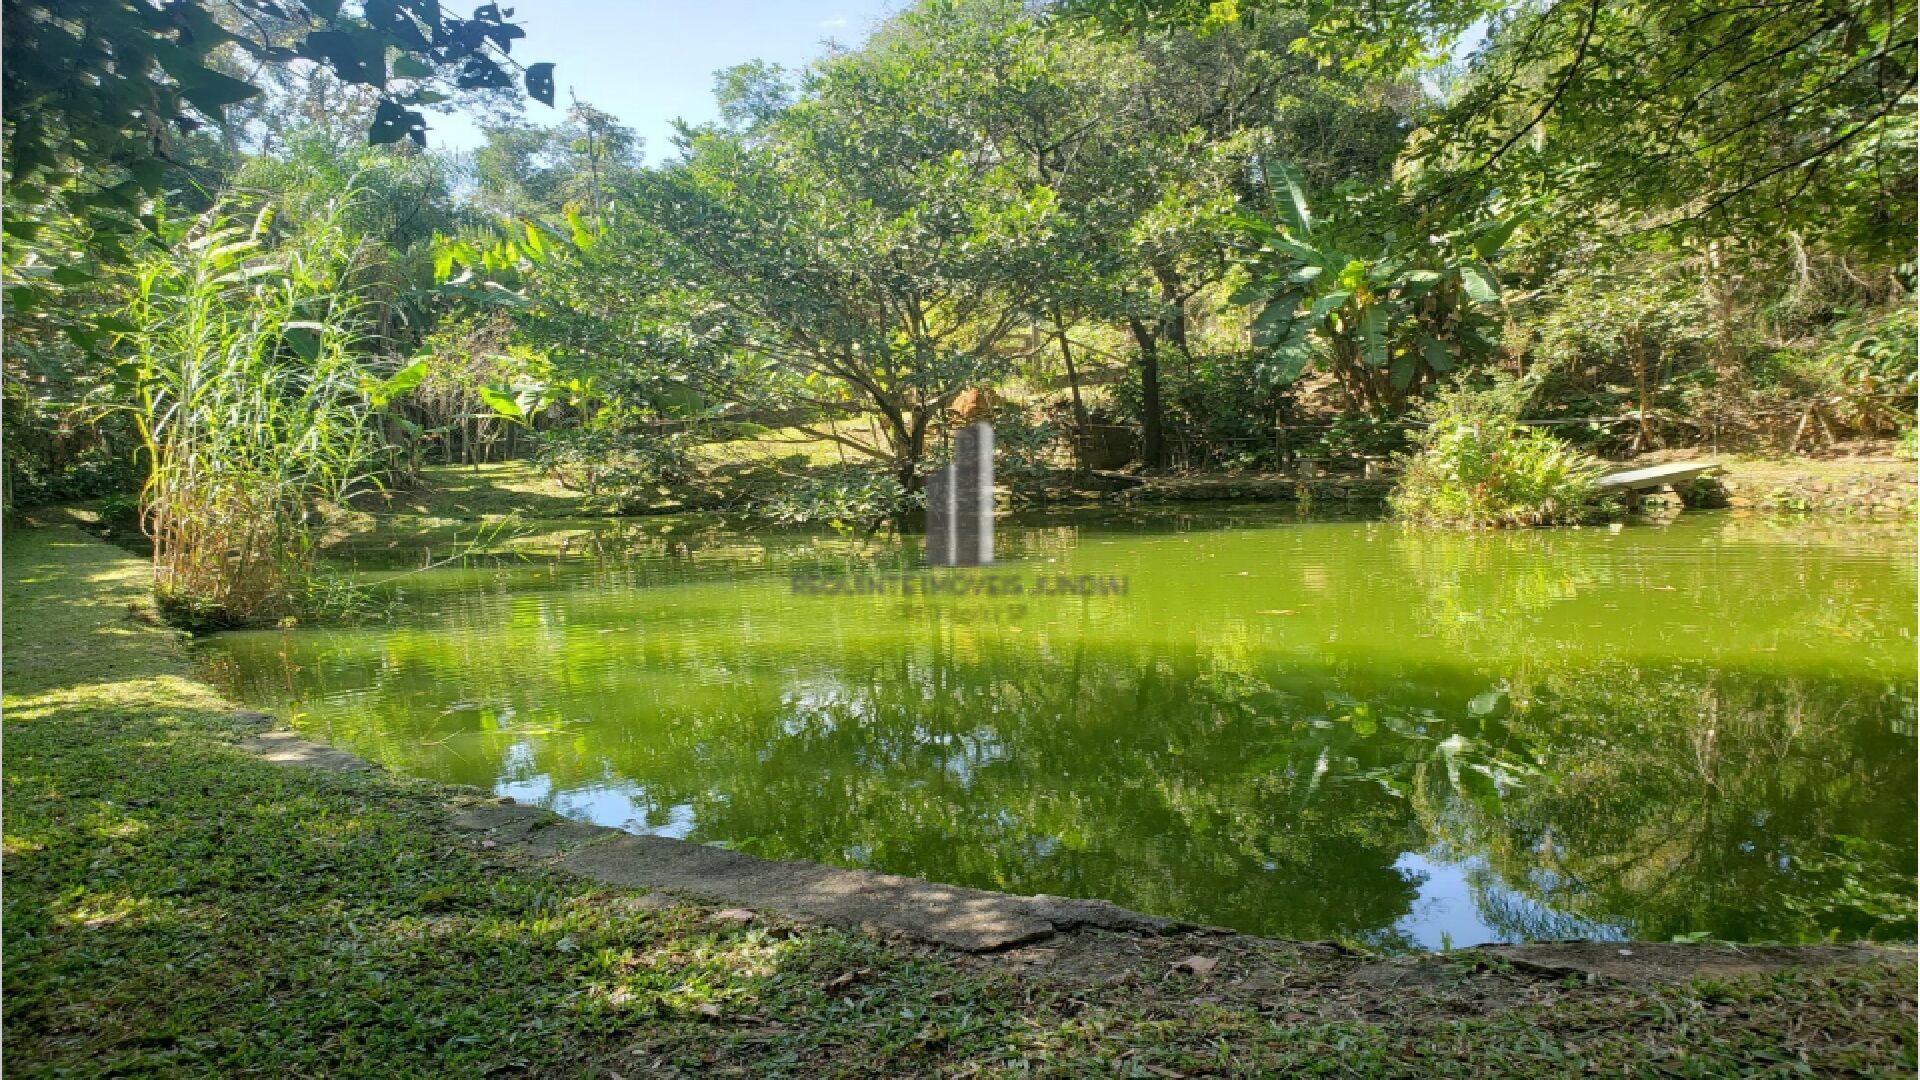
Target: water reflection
1300, 728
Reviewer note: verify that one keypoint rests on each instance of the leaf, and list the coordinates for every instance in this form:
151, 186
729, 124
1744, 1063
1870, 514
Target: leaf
480, 73
540, 83
391, 123
1489, 243
583, 237
1251, 293
357, 56
1418, 284
501, 404
303, 339
1197, 965
1373, 335
1438, 356
1290, 360
1403, 370
1300, 251
1327, 305
1276, 319
389, 16
1480, 283
400, 382
412, 67
1294, 209
211, 92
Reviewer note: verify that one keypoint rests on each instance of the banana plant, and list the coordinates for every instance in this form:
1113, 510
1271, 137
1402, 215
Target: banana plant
1384, 308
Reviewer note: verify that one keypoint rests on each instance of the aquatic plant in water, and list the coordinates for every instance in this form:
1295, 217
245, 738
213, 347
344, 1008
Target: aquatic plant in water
1474, 465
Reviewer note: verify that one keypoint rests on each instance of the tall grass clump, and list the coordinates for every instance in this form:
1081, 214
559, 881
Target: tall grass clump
248, 396
1475, 466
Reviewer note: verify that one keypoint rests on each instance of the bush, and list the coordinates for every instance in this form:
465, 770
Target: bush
616, 466
1219, 410
1352, 437
1475, 466
848, 496
248, 400
1028, 449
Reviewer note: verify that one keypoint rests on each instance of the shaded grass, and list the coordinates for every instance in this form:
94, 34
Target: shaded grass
173, 906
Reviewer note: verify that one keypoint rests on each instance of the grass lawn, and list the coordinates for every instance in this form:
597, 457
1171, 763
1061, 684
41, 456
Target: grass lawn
175, 906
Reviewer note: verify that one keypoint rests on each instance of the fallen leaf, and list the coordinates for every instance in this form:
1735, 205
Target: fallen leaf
1197, 965
737, 915
708, 1009
848, 978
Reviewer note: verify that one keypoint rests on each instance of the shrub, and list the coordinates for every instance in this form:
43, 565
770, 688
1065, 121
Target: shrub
247, 398
615, 465
1219, 409
848, 496
1027, 449
1475, 466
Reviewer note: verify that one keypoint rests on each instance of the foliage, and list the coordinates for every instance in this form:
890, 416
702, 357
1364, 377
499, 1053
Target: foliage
832, 259
1475, 466
96, 93
1620, 341
615, 463
1027, 447
1868, 365
845, 497
1707, 119
1221, 410
1385, 324
247, 394
524, 169
1350, 438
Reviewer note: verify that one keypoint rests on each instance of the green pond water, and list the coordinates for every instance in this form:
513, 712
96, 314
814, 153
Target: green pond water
1237, 716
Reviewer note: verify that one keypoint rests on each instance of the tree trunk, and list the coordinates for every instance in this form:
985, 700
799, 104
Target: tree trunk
1082, 430
1153, 446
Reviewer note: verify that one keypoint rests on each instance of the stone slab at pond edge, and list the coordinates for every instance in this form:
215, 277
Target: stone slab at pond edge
970, 920
976, 920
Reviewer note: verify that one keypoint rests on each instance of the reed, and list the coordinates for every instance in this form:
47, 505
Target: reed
249, 399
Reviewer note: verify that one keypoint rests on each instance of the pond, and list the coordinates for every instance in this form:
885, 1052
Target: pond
1238, 716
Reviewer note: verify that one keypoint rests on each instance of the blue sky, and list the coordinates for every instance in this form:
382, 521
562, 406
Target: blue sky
650, 61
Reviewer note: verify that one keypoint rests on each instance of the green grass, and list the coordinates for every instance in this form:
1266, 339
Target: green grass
173, 906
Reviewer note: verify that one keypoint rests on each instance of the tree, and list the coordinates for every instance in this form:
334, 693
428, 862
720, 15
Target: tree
1387, 306
861, 256
97, 93
1708, 118
525, 169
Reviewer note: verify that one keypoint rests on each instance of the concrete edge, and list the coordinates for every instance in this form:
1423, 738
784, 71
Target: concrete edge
955, 917
966, 919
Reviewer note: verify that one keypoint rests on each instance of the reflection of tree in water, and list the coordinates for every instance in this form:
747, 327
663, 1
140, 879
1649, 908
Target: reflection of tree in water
1686, 800
1271, 798
1202, 770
